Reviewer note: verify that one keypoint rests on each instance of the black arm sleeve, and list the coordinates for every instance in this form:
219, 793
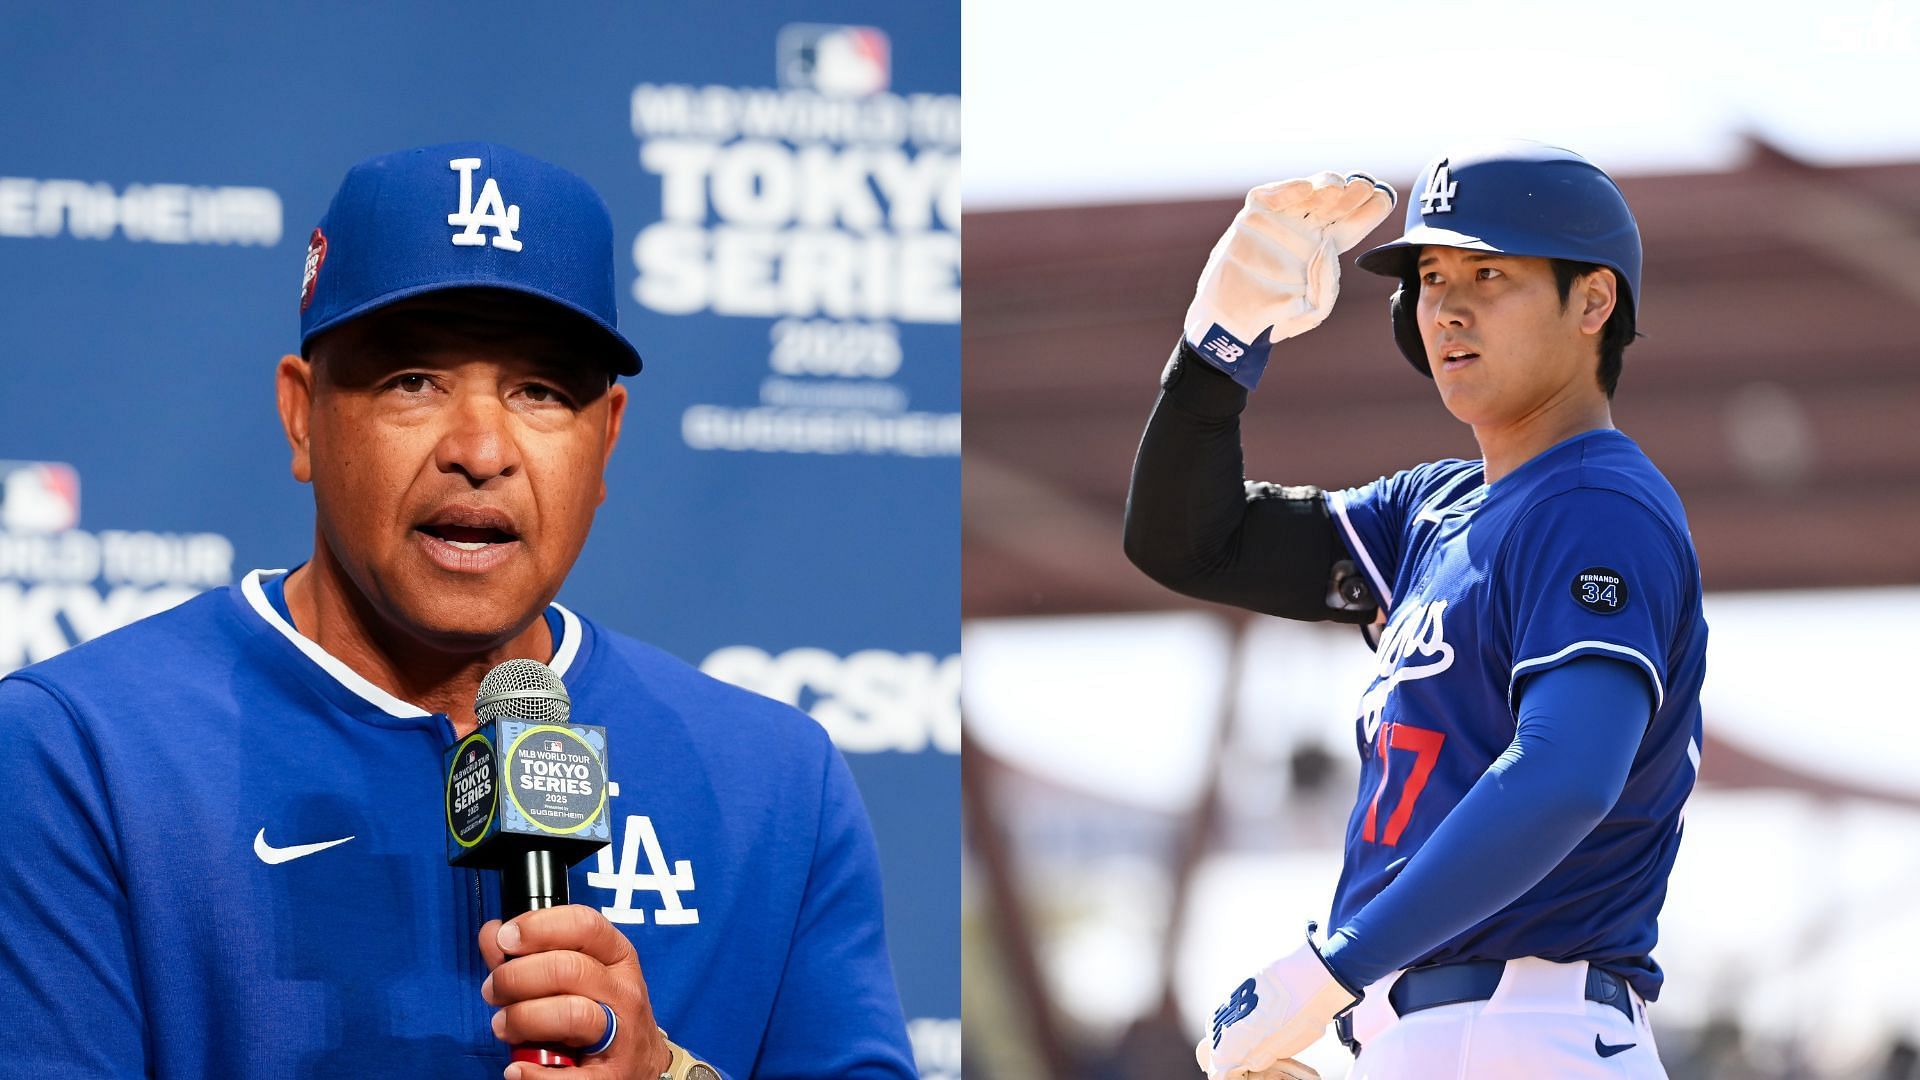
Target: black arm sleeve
1195, 525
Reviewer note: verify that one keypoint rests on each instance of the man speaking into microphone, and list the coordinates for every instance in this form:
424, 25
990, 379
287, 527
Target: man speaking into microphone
226, 851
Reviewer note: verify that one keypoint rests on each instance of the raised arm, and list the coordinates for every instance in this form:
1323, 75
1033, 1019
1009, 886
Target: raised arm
1193, 522
1194, 525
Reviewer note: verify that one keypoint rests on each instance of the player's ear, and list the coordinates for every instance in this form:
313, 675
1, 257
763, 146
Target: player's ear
1599, 292
293, 391
616, 412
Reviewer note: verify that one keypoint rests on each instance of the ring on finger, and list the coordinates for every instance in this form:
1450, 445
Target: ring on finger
613, 1029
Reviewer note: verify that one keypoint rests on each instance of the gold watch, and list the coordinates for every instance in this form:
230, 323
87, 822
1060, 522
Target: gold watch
685, 1066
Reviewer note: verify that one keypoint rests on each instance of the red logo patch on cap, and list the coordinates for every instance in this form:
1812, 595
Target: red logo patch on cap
316, 254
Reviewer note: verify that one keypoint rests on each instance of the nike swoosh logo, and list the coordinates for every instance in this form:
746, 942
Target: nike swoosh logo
273, 856
1606, 1051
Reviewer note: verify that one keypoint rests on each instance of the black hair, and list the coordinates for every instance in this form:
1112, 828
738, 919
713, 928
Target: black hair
1619, 331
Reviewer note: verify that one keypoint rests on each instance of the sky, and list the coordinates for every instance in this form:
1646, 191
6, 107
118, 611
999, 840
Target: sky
1076, 102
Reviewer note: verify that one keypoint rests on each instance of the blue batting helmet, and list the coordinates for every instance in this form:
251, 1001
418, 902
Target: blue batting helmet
1516, 197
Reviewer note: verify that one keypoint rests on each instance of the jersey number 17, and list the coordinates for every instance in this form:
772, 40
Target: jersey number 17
1425, 745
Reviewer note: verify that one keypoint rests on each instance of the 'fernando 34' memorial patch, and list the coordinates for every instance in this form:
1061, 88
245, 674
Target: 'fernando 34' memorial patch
1600, 590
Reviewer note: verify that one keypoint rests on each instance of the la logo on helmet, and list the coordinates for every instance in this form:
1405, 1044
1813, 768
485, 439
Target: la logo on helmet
1437, 199
493, 210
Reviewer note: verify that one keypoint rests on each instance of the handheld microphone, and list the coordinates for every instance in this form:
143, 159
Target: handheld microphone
526, 795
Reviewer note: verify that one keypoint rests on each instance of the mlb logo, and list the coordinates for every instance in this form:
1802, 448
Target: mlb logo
39, 496
553, 746
845, 61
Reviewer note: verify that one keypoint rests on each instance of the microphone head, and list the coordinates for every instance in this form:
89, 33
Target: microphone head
523, 690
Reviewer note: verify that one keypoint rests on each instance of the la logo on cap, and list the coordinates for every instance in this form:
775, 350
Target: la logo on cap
493, 210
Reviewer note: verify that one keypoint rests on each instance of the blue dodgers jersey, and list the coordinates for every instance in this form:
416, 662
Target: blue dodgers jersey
1582, 551
226, 857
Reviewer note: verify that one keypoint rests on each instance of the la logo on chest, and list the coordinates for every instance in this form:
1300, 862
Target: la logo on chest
642, 867
490, 212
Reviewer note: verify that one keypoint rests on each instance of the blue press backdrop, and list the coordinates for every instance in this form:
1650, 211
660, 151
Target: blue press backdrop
783, 177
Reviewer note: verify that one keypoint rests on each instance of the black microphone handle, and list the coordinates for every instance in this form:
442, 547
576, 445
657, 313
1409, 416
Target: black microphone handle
534, 880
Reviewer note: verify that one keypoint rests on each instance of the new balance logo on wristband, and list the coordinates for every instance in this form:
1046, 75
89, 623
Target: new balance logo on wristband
1243, 360
1224, 349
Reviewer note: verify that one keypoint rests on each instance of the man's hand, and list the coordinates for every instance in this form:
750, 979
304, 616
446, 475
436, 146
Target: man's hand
551, 970
1276, 271
1273, 1016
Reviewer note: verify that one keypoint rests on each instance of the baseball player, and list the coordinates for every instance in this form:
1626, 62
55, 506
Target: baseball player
1531, 730
226, 841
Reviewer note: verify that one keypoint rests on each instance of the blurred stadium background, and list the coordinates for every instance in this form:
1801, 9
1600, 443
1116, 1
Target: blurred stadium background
1155, 788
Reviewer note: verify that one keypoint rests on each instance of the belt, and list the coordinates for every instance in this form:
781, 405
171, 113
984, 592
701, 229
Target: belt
1474, 980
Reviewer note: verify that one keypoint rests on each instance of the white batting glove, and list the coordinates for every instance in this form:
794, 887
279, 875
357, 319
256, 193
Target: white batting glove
1273, 1016
1276, 271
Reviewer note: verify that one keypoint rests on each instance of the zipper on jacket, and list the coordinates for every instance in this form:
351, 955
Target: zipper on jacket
477, 1007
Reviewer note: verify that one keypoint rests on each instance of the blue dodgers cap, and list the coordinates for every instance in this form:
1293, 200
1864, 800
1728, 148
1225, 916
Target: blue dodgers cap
462, 215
